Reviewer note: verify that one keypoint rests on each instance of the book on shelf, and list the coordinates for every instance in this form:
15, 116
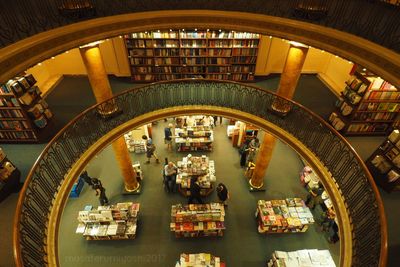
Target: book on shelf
202, 44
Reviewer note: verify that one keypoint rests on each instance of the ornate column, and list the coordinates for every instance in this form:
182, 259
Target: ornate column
290, 75
287, 86
101, 87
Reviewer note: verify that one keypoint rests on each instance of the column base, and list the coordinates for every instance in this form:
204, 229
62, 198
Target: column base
253, 188
280, 108
109, 113
136, 191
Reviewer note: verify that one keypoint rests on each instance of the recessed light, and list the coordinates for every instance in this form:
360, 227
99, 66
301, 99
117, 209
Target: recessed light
364, 69
52, 57
322, 51
40, 64
270, 37
120, 36
66, 52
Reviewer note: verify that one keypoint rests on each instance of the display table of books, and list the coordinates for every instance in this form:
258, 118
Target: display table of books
134, 145
299, 258
191, 167
283, 216
199, 260
194, 138
117, 221
196, 220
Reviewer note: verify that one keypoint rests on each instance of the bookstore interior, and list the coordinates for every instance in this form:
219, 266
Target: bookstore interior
367, 105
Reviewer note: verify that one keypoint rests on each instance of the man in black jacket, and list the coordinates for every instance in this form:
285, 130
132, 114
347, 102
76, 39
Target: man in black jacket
195, 191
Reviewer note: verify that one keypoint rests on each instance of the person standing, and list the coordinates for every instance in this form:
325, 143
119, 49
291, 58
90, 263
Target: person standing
195, 191
168, 136
150, 149
100, 191
253, 147
170, 171
223, 194
244, 151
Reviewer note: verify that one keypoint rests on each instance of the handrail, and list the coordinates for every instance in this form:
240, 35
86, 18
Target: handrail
376, 21
358, 189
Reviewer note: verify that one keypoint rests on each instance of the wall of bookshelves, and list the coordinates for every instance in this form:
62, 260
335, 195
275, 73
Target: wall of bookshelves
369, 105
23, 112
178, 54
384, 163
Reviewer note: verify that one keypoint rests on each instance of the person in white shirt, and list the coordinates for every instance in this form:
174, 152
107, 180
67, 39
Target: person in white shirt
170, 171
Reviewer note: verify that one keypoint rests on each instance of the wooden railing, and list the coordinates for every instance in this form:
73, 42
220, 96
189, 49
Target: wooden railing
358, 191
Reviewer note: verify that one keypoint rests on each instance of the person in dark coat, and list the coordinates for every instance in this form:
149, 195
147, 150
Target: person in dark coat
168, 136
195, 191
222, 193
86, 178
244, 151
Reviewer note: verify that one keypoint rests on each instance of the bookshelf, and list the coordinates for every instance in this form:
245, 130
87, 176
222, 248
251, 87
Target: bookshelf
199, 260
369, 105
9, 177
24, 115
178, 54
201, 167
290, 215
384, 163
197, 220
112, 222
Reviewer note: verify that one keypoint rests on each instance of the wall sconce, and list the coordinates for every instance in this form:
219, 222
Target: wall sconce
76, 9
311, 9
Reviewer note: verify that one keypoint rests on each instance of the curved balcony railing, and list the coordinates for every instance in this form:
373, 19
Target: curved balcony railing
353, 180
374, 20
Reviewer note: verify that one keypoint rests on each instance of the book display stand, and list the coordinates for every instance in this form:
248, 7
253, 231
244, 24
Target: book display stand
197, 220
283, 216
199, 260
192, 167
112, 222
299, 258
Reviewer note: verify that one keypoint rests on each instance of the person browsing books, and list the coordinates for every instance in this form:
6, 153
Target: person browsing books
170, 171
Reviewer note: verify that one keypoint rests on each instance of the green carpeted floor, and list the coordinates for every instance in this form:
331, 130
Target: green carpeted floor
155, 241
73, 95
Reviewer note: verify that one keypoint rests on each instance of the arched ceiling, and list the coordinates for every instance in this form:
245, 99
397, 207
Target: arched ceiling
26, 53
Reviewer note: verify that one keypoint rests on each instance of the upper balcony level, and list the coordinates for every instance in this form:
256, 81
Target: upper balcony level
374, 20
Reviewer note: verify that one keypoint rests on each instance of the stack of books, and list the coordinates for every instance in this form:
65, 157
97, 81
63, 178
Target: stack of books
283, 216
304, 257
199, 260
195, 220
109, 222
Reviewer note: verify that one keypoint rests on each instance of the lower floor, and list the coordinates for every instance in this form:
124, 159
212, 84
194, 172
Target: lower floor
156, 245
